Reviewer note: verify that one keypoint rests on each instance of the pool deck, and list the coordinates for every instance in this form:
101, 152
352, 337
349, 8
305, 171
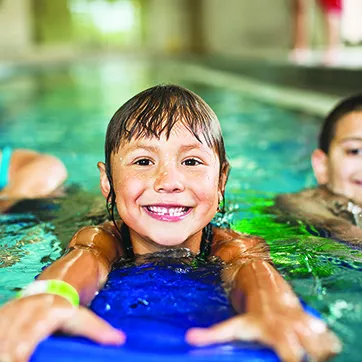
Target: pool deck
340, 78
309, 86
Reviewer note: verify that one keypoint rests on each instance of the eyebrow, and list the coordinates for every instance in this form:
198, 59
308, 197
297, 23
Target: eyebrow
346, 139
193, 146
183, 148
143, 146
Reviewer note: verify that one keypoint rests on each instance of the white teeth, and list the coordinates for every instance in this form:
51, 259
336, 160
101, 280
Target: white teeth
172, 211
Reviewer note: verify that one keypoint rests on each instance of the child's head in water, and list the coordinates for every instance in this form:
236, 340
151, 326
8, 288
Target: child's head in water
337, 162
165, 168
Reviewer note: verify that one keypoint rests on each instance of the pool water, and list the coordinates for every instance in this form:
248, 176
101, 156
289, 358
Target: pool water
64, 110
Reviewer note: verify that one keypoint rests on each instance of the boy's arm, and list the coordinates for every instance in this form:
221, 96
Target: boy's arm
91, 253
26, 321
31, 175
303, 206
272, 312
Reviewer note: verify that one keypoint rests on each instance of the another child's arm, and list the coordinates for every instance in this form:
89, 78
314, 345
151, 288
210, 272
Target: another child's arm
307, 207
26, 321
31, 175
272, 312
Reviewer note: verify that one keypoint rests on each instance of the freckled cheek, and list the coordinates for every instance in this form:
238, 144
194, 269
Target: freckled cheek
129, 188
208, 202
208, 193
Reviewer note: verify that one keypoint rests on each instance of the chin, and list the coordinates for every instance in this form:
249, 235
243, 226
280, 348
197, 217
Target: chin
356, 197
357, 201
168, 242
165, 239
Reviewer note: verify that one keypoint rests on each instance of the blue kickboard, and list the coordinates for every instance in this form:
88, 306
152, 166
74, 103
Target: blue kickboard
155, 304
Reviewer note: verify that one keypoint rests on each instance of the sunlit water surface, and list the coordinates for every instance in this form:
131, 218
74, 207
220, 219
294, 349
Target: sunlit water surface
64, 110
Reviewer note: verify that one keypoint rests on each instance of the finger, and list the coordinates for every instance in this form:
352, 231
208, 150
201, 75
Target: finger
238, 328
334, 343
19, 336
325, 346
88, 324
5, 329
26, 334
247, 328
286, 345
4, 357
317, 340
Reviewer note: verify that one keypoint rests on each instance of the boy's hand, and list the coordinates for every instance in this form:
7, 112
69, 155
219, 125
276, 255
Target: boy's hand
291, 334
27, 321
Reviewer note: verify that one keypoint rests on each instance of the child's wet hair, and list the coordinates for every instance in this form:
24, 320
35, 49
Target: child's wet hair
346, 106
154, 112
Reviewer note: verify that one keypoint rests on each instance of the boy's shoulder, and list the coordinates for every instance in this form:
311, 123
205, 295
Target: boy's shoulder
228, 234
313, 204
229, 239
230, 244
313, 193
317, 194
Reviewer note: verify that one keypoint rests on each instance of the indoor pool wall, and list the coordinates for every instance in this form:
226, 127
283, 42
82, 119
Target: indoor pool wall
64, 110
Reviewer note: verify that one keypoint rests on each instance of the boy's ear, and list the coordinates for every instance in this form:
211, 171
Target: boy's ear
223, 179
320, 166
104, 182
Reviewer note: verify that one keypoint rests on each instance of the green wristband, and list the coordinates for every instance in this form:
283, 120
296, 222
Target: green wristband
56, 287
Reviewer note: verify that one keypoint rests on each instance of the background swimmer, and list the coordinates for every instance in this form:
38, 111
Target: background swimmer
26, 174
334, 205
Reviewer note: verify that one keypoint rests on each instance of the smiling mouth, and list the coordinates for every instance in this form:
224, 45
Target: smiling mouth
168, 212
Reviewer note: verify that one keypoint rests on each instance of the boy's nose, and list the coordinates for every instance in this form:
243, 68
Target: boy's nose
168, 180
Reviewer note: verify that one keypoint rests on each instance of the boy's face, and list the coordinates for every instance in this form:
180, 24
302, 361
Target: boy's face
341, 169
166, 190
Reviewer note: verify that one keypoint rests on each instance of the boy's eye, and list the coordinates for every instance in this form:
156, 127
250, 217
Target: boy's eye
191, 162
354, 151
143, 162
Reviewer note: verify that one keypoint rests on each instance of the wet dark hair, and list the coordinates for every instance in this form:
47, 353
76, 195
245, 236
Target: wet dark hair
346, 106
154, 112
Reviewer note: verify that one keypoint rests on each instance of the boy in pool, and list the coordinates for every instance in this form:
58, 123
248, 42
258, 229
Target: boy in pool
335, 205
165, 171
